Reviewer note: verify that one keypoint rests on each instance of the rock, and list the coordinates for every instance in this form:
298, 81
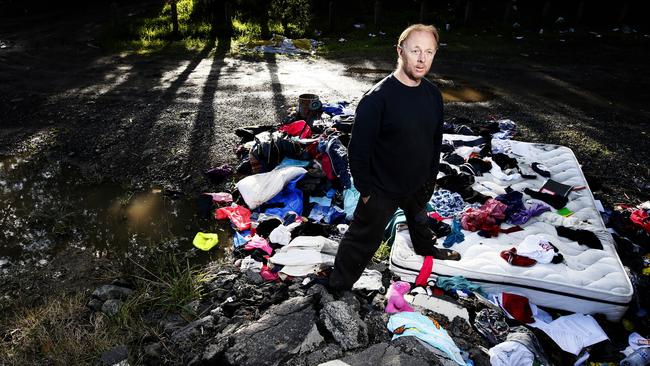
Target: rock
189, 333
377, 331
112, 292
111, 307
321, 292
311, 342
402, 351
270, 340
153, 351
351, 300
114, 356
95, 304
328, 352
214, 351
344, 324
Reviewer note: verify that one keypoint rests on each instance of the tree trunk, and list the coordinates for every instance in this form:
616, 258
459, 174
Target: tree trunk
331, 24
174, 18
377, 13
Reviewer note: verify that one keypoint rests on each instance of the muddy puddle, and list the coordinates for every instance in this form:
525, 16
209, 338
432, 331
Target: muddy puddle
48, 206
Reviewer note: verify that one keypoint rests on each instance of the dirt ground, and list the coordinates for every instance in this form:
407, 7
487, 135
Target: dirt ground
159, 120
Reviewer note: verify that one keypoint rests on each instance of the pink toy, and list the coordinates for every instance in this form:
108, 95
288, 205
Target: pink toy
396, 302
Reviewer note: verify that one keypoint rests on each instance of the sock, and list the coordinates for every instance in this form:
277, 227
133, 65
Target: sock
583, 237
541, 170
556, 201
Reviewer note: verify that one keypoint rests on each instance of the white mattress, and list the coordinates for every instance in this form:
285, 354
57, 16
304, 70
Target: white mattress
589, 281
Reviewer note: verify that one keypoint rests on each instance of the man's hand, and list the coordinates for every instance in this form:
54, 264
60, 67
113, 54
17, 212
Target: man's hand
365, 199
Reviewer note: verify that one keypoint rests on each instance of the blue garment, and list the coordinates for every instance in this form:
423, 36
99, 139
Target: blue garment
327, 214
420, 326
293, 162
323, 201
458, 283
350, 199
290, 197
337, 109
239, 238
338, 154
447, 203
456, 235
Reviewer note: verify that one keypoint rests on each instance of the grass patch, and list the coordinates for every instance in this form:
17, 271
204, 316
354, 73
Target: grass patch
62, 331
152, 32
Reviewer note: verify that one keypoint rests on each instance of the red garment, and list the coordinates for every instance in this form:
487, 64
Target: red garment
423, 277
491, 213
239, 216
518, 307
267, 274
517, 260
295, 128
640, 218
327, 167
436, 216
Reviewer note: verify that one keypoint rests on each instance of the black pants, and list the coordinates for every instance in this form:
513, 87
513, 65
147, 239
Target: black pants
366, 231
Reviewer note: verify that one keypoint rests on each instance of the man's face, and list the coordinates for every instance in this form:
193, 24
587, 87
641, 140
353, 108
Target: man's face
417, 52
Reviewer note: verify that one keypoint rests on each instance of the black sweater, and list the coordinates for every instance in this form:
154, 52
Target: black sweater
396, 138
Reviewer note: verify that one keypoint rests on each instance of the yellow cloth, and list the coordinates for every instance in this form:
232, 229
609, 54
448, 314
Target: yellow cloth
205, 241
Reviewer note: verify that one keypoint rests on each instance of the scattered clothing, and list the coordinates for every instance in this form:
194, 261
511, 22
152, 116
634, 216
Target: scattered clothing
541, 169
490, 214
556, 202
511, 256
259, 188
423, 277
298, 128
280, 235
520, 348
205, 241
257, 242
447, 203
456, 235
537, 248
458, 283
583, 237
239, 216
417, 325
517, 306
492, 325
219, 174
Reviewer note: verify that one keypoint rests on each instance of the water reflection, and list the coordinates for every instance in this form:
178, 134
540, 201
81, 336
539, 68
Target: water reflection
47, 206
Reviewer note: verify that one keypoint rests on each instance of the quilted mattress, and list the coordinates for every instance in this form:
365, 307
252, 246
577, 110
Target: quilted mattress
588, 281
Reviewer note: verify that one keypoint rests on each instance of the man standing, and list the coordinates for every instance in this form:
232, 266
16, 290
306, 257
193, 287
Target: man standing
394, 154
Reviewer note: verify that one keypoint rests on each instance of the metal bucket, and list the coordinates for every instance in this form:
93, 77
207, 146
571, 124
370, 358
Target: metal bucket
308, 105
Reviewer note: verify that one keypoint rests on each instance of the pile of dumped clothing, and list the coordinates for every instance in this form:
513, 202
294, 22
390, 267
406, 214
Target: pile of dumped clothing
296, 198
283, 45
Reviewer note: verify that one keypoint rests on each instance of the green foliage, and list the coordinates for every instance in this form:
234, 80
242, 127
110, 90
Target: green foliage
153, 32
294, 15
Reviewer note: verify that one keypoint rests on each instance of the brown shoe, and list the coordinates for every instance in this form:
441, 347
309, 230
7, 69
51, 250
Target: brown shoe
446, 255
